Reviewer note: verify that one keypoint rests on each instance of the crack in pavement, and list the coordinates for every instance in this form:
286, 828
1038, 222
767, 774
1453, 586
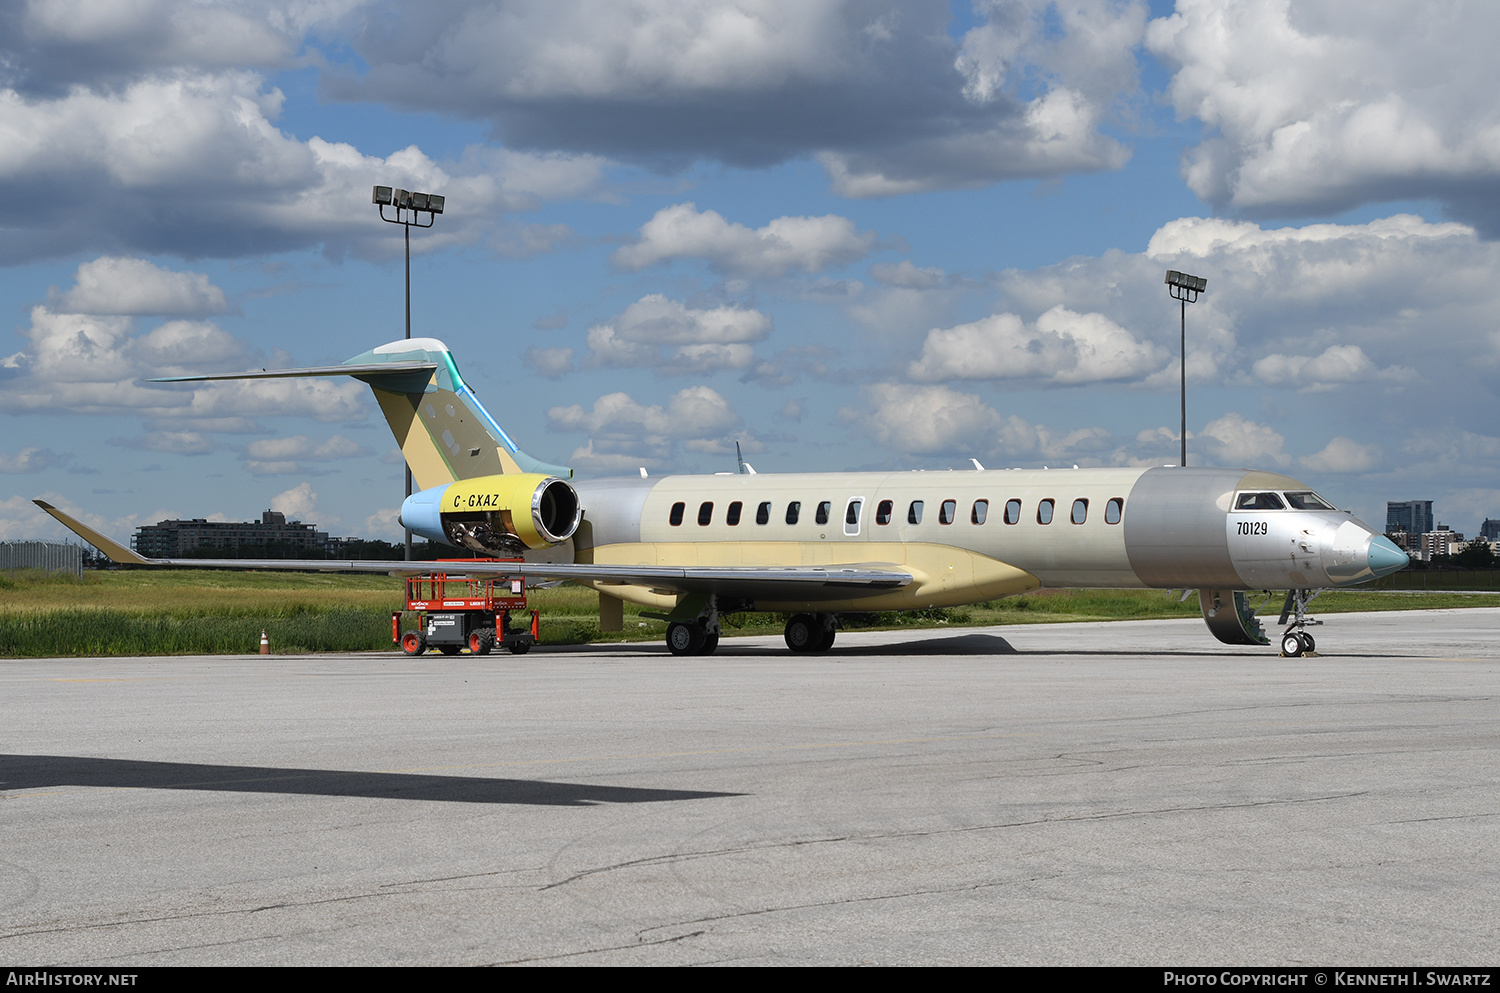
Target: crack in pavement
885, 836
167, 918
598, 951
967, 888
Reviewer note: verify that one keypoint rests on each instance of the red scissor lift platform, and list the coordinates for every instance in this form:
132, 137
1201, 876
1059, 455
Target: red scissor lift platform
457, 611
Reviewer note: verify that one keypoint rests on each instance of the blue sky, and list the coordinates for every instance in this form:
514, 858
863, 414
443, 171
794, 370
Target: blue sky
844, 234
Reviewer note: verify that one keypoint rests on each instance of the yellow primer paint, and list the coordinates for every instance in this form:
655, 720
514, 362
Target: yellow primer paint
428, 467
944, 575
499, 495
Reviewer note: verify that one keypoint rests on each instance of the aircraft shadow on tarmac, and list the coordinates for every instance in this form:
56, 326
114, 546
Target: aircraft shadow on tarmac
38, 772
959, 644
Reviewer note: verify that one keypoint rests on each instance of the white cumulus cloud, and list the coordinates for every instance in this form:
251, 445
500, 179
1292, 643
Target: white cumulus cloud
1336, 365
1343, 455
624, 433
1235, 440
1314, 108
124, 285
1062, 346
808, 244
674, 338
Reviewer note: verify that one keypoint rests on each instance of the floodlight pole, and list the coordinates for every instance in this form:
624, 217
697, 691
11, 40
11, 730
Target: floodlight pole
414, 205
1184, 289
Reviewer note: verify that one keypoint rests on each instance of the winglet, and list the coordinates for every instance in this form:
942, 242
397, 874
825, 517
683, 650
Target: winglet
116, 551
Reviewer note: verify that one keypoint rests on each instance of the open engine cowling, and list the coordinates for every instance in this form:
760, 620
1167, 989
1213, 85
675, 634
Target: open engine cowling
498, 515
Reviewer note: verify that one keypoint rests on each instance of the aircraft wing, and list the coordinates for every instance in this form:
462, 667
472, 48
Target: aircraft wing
830, 582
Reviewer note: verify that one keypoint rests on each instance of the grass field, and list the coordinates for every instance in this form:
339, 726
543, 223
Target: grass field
145, 612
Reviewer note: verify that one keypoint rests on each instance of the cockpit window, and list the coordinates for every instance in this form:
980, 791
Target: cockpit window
1259, 501
1307, 500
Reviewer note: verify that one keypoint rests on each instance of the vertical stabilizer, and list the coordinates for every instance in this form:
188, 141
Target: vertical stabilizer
444, 431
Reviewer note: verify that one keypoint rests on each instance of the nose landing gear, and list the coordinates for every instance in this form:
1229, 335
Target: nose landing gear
1297, 641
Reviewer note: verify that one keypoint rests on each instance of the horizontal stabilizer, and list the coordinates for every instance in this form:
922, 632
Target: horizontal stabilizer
369, 369
113, 549
444, 431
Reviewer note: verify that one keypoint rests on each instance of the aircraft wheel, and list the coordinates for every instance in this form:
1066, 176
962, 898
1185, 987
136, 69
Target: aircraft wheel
685, 639
1308, 645
520, 647
803, 633
412, 643
481, 641
450, 649
826, 642
710, 644
1291, 645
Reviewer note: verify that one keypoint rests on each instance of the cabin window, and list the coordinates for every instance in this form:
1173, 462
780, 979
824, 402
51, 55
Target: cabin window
676, 518
732, 516
705, 512
851, 516
1258, 501
825, 508
1080, 511
980, 512
1044, 512
1012, 512
883, 512
914, 512
946, 511
793, 509
1113, 510
763, 513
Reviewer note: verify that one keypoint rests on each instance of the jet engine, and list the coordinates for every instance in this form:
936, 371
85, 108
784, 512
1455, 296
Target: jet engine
497, 515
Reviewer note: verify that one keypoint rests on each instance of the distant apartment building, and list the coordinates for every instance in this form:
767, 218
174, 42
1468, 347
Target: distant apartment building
1414, 517
1490, 530
200, 538
1441, 540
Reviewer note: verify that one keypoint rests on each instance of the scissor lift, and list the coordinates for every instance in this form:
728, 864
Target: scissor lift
457, 611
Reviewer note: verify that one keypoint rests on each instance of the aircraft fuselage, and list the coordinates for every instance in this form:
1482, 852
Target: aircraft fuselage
973, 536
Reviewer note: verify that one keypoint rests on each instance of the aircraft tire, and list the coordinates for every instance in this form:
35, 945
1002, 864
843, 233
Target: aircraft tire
412, 643
710, 644
826, 642
1308, 645
685, 639
803, 633
1291, 645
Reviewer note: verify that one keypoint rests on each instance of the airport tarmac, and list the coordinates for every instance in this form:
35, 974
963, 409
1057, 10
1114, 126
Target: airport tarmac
1125, 793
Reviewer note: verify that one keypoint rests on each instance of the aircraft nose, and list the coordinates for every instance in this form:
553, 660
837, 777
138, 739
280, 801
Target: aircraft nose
1385, 558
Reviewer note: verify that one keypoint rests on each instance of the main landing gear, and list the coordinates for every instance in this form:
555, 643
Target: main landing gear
1297, 641
810, 632
691, 638
805, 633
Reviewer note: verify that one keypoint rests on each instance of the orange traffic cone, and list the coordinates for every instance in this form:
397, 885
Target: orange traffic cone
265, 645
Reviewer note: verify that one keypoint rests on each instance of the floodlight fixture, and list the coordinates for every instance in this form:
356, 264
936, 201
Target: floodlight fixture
409, 208
1184, 288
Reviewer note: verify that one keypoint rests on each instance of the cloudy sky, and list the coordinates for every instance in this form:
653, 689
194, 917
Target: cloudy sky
848, 234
